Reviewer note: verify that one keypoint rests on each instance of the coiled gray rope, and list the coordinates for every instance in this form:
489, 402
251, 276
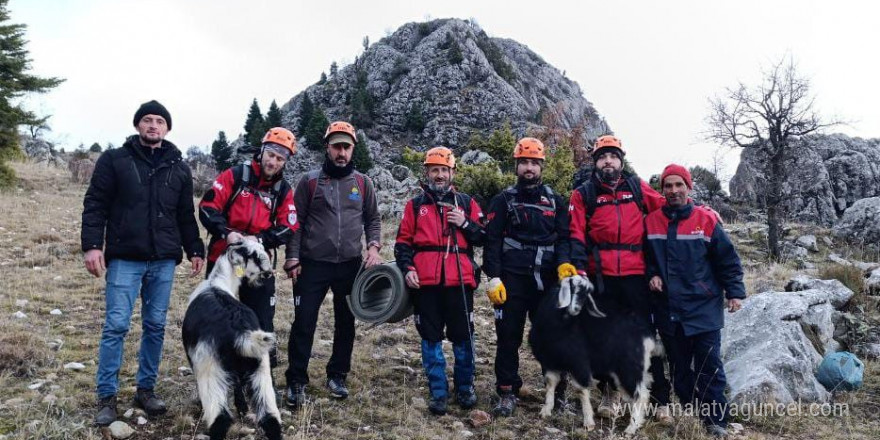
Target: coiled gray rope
379, 295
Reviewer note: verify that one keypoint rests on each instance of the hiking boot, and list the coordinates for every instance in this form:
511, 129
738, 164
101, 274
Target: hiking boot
106, 411
437, 406
716, 431
148, 401
506, 405
337, 388
466, 398
296, 395
663, 416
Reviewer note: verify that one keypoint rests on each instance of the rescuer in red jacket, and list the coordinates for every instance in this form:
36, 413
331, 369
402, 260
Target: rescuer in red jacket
607, 233
252, 201
442, 280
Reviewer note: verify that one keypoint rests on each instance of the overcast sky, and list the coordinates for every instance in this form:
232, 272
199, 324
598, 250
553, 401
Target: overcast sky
649, 67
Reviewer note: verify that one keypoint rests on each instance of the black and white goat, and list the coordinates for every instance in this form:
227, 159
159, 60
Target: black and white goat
225, 345
558, 342
614, 349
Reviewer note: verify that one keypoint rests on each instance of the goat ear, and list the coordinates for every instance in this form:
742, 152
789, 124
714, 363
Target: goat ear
236, 255
564, 297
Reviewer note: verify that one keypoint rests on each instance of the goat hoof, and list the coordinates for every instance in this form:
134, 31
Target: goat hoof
546, 412
590, 426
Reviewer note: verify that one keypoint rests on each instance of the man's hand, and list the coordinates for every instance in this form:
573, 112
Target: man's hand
456, 217
234, 237
412, 279
373, 257
94, 259
734, 304
197, 264
656, 283
293, 268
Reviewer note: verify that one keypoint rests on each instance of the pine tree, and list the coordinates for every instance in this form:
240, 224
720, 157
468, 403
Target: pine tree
361, 156
95, 148
333, 69
500, 146
362, 103
305, 114
323, 78
15, 82
273, 116
315, 131
254, 125
221, 152
415, 119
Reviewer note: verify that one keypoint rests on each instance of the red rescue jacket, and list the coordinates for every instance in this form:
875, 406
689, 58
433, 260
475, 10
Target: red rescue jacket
250, 212
616, 228
425, 241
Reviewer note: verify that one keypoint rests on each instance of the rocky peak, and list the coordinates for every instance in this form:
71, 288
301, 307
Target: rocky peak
436, 82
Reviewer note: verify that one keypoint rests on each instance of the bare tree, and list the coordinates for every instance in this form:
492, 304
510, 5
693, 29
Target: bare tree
768, 117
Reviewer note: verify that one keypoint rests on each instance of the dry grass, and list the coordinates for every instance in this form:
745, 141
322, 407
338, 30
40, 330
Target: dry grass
41, 263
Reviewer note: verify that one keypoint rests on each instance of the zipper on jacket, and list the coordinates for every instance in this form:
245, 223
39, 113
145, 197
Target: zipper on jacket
338, 220
619, 227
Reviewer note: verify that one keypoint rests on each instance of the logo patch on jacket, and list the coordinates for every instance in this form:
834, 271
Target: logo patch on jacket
291, 218
355, 194
698, 231
423, 211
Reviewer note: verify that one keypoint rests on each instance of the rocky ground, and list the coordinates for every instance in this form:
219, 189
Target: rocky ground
51, 316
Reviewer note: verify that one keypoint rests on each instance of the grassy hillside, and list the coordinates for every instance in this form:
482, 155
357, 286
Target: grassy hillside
39, 398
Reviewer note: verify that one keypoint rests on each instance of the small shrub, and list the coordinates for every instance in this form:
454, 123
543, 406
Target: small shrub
21, 354
482, 182
851, 276
413, 160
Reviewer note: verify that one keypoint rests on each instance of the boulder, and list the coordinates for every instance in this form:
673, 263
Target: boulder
400, 172
827, 175
808, 242
861, 223
873, 282
772, 346
476, 157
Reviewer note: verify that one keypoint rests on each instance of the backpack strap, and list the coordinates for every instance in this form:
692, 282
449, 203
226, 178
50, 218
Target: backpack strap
588, 195
635, 186
241, 176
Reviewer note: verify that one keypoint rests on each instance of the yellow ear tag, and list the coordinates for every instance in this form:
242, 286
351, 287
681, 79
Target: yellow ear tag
239, 271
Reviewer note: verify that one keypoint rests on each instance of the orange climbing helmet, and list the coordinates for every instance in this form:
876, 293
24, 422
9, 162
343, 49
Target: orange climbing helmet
440, 156
340, 127
608, 141
281, 136
529, 148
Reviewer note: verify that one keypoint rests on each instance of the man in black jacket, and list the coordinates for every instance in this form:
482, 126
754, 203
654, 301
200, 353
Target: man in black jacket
137, 215
526, 238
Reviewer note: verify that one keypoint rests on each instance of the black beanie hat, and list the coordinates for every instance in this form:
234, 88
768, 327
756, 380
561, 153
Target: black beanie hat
152, 108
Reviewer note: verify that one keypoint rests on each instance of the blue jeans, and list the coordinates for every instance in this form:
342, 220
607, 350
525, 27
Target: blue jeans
126, 280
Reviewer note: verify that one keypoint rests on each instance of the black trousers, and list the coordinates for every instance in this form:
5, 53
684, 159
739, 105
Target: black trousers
261, 300
523, 298
698, 372
308, 294
632, 293
440, 310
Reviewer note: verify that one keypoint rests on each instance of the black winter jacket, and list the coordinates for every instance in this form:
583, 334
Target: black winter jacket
146, 210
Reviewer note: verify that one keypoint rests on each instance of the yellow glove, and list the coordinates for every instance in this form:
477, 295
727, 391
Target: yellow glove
566, 270
496, 292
